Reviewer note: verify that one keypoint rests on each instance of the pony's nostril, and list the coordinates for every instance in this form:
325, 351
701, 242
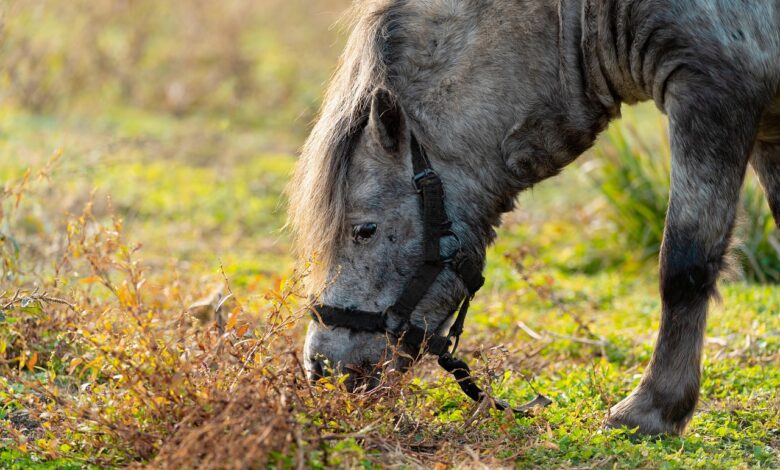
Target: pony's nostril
360, 381
317, 371
372, 382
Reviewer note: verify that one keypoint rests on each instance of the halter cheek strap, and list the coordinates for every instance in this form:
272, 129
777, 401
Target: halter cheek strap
396, 320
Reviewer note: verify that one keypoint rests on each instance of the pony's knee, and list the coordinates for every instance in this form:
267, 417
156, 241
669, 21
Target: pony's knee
689, 273
766, 163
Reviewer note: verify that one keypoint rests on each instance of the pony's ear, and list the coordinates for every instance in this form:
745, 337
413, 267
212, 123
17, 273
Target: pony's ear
387, 122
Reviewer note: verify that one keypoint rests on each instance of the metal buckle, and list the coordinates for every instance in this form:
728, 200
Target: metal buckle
454, 344
383, 317
425, 174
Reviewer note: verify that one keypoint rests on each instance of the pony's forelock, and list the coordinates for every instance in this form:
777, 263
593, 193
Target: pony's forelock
317, 190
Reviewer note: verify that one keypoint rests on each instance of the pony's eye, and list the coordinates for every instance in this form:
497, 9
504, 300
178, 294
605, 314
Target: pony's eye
362, 233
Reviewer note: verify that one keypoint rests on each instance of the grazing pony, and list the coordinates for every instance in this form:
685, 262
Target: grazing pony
481, 99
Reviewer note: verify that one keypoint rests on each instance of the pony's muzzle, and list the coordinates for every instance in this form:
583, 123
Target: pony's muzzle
358, 379
316, 370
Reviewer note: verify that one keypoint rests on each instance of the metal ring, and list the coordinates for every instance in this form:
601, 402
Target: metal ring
425, 173
455, 344
383, 316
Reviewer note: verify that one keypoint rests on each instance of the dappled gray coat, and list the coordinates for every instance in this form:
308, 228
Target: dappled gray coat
505, 93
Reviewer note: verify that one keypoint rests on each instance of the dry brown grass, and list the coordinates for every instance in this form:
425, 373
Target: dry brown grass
113, 368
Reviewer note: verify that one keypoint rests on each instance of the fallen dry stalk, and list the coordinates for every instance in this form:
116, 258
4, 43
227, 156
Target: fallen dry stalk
25, 300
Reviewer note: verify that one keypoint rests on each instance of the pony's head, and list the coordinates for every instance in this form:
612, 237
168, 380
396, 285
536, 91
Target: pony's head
374, 250
459, 77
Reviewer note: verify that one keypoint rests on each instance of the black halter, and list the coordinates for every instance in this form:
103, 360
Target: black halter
396, 320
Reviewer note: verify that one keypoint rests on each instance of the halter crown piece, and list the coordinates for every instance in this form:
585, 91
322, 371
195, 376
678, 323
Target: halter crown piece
436, 227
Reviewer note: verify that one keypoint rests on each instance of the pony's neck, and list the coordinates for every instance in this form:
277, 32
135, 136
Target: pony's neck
566, 103
562, 124
612, 53
568, 111
587, 77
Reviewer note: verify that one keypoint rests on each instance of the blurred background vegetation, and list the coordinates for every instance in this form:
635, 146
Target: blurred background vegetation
128, 89
187, 114
145, 140
131, 88
258, 64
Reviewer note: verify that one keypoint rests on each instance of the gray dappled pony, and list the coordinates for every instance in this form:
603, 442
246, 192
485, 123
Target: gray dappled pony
505, 93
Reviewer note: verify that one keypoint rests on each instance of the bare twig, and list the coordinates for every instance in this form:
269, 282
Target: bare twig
548, 294
529, 331
26, 299
602, 343
363, 433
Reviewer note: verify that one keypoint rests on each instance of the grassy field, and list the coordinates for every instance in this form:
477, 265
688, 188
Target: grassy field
144, 147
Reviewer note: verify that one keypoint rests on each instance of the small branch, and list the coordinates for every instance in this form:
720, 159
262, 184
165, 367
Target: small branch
35, 296
362, 434
529, 331
545, 292
602, 343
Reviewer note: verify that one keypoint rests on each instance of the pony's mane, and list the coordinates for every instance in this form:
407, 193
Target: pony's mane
317, 191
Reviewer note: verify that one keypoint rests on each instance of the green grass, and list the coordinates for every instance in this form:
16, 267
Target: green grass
14, 460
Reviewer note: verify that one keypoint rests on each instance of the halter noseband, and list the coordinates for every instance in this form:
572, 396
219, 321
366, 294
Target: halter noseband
396, 319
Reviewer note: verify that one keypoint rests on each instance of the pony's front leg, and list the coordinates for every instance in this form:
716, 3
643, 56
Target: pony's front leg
766, 163
711, 136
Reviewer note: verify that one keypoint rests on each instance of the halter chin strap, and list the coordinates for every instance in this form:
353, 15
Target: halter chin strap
396, 319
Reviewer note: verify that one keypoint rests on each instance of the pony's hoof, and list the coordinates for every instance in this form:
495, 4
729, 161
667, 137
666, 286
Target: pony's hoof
636, 412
